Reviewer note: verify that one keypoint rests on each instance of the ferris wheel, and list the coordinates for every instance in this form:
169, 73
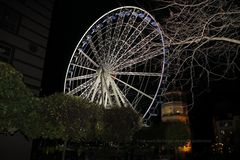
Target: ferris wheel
119, 61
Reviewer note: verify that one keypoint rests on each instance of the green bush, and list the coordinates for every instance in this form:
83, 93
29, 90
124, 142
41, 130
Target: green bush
120, 124
68, 117
15, 99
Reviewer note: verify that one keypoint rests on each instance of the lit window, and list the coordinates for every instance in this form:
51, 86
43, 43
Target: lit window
222, 132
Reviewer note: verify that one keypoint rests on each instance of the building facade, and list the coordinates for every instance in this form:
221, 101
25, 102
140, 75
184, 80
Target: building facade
226, 131
24, 31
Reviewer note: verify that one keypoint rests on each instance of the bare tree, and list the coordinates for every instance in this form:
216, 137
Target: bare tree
202, 39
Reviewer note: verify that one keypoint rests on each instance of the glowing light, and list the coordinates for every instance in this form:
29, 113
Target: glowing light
186, 148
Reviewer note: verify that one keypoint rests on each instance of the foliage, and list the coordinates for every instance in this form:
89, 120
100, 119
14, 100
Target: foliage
120, 124
12, 87
68, 117
15, 100
27, 119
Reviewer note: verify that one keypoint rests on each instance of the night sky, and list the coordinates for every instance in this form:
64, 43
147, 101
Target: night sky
72, 18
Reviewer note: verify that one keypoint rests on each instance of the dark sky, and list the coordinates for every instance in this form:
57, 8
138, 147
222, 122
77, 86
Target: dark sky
72, 18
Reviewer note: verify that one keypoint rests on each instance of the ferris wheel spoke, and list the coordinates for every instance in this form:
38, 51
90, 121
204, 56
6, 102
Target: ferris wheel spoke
111, 83
94, 50
99, 35
146, 40
82, 77
116, 32
118, 93
138, 30
80, 66
88, 58
119, 24
137, 90
138, 46
136, 100
138, 74
132, 38
125, 31
81, 87
142, 58
108, 31
107, 41
94, 89
128, 26
106, 95
84, 94
101, 45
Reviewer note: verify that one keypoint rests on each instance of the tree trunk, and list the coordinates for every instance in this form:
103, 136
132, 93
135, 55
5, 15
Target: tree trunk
64, 149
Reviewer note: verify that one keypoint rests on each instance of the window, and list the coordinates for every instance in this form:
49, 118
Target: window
178, 109
167, 110
9, 19
222, 132
6, 52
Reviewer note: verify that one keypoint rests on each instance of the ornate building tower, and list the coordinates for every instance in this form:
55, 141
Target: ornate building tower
174, 107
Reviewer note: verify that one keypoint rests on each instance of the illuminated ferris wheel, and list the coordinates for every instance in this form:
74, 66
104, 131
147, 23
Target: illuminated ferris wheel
119, 61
